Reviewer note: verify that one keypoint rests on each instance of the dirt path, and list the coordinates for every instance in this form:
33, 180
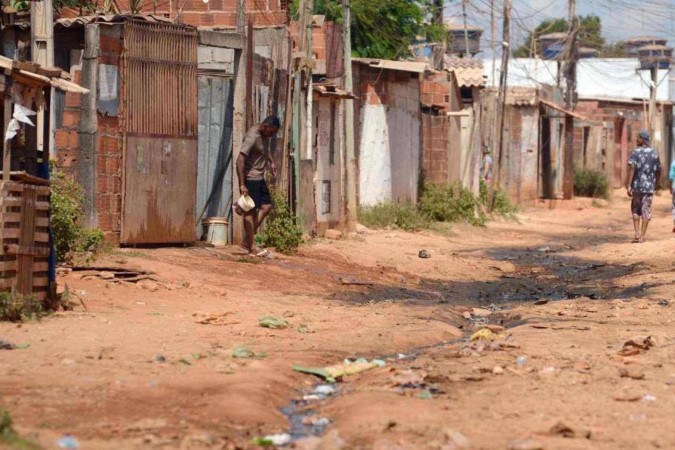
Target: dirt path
137, 370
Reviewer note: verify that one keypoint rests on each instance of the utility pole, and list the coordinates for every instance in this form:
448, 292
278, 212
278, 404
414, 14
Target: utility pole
493, 33
652, 98
466, 32
501, 99
240, 17
349, 118
570, 94
439, 51
42, 50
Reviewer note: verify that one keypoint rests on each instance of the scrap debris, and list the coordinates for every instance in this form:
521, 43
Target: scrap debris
338, 371
114, 274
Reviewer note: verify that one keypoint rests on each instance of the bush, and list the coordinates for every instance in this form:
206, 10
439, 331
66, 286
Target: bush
16, 308
282, 230
67, 216
591, 183
502, 204
451, 203
404, 216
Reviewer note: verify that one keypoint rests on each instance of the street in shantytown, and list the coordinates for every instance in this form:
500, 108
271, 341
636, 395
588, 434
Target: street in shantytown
337, 224
579, 352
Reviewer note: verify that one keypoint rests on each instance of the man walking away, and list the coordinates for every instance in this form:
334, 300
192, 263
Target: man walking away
252, 162
487, 165
644, 169
671, 176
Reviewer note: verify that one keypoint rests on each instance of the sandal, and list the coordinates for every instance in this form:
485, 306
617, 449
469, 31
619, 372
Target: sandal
635, 241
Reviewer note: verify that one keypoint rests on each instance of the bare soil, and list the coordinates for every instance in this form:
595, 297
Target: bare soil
136, 369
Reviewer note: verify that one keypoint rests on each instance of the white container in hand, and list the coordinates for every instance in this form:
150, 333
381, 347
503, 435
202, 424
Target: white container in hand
246, 203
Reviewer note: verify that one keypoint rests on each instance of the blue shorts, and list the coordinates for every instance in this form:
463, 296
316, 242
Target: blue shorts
258, 191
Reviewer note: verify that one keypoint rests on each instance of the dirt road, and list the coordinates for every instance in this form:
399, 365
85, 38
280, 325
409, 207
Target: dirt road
584, 359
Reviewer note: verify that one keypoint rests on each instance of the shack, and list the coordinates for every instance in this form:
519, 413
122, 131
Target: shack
26, 263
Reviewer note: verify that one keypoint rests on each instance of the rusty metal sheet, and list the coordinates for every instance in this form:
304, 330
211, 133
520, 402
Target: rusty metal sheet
158, 117
159, 207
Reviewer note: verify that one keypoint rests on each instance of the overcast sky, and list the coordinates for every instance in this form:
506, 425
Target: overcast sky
621, 19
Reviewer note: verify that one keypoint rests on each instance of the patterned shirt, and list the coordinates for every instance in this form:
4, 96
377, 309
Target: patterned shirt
646, 162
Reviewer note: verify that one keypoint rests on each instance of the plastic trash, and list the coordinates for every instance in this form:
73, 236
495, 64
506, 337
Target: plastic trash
521, 360
68, 441
272, 322
278, 440
324, 389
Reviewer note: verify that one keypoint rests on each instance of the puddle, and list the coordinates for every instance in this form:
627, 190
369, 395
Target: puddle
299, 410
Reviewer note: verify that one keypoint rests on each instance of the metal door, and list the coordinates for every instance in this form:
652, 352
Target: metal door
159, 124
214, 158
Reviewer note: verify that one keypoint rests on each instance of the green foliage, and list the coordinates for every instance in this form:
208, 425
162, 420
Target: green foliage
502, 205
400, 215
590, 35
282, 230
9, 437
380, 28
591, 183
451, 203
70, 236
16, 308
615, 50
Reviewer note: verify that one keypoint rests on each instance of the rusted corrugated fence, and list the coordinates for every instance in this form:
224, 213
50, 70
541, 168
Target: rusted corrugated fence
159, 74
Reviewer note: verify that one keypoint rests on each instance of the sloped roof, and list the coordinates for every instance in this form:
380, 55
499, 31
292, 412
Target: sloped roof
109, 18
469, 71
403, 66
34, 74
521, 96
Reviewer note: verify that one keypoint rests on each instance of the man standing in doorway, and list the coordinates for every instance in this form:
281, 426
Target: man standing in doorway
644, 169
254, 158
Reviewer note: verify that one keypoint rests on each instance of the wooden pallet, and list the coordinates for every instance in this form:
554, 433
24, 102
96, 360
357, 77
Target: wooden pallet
24, 235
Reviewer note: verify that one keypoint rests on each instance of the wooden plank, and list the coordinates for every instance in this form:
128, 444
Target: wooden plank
15, 249
43, 206
12, 186
10, 217
7, 283
38, 266
7, 146
41, 237
41, 282
10, 233
42, 222
6, 266
27, 238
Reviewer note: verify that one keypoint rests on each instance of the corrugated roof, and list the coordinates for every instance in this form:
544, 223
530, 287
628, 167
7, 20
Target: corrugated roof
452, 26
109, 18
521, 96
553, 36
468, 71
403, 66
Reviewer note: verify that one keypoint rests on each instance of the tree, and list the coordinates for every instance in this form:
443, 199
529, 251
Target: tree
381, 28
590, 35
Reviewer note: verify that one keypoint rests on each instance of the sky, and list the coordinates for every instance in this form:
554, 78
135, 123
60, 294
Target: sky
621, 19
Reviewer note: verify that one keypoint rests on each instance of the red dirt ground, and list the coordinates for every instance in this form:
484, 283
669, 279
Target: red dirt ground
94, 373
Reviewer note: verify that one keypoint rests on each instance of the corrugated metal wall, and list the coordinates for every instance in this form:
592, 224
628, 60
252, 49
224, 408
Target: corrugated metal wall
159, 124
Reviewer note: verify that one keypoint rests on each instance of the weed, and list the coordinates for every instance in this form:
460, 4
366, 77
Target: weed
9, 437
15, 307
67, 215
502, 205
591, 183
400, 215
451, 203
282, 230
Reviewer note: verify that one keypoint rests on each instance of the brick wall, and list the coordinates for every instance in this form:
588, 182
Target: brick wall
435, 135
66, 139
213, 13
109, 146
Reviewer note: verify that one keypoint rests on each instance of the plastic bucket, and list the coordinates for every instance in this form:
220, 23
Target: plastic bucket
216, 230
246, 203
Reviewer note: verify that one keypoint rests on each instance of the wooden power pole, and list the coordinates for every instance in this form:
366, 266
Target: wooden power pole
42, 50
439, 51
570, 94
501, 100
652, 98
349, 118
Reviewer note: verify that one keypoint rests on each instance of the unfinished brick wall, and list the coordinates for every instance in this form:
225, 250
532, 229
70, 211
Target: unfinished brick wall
435, 135
213, 13
66, 138
109, 145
